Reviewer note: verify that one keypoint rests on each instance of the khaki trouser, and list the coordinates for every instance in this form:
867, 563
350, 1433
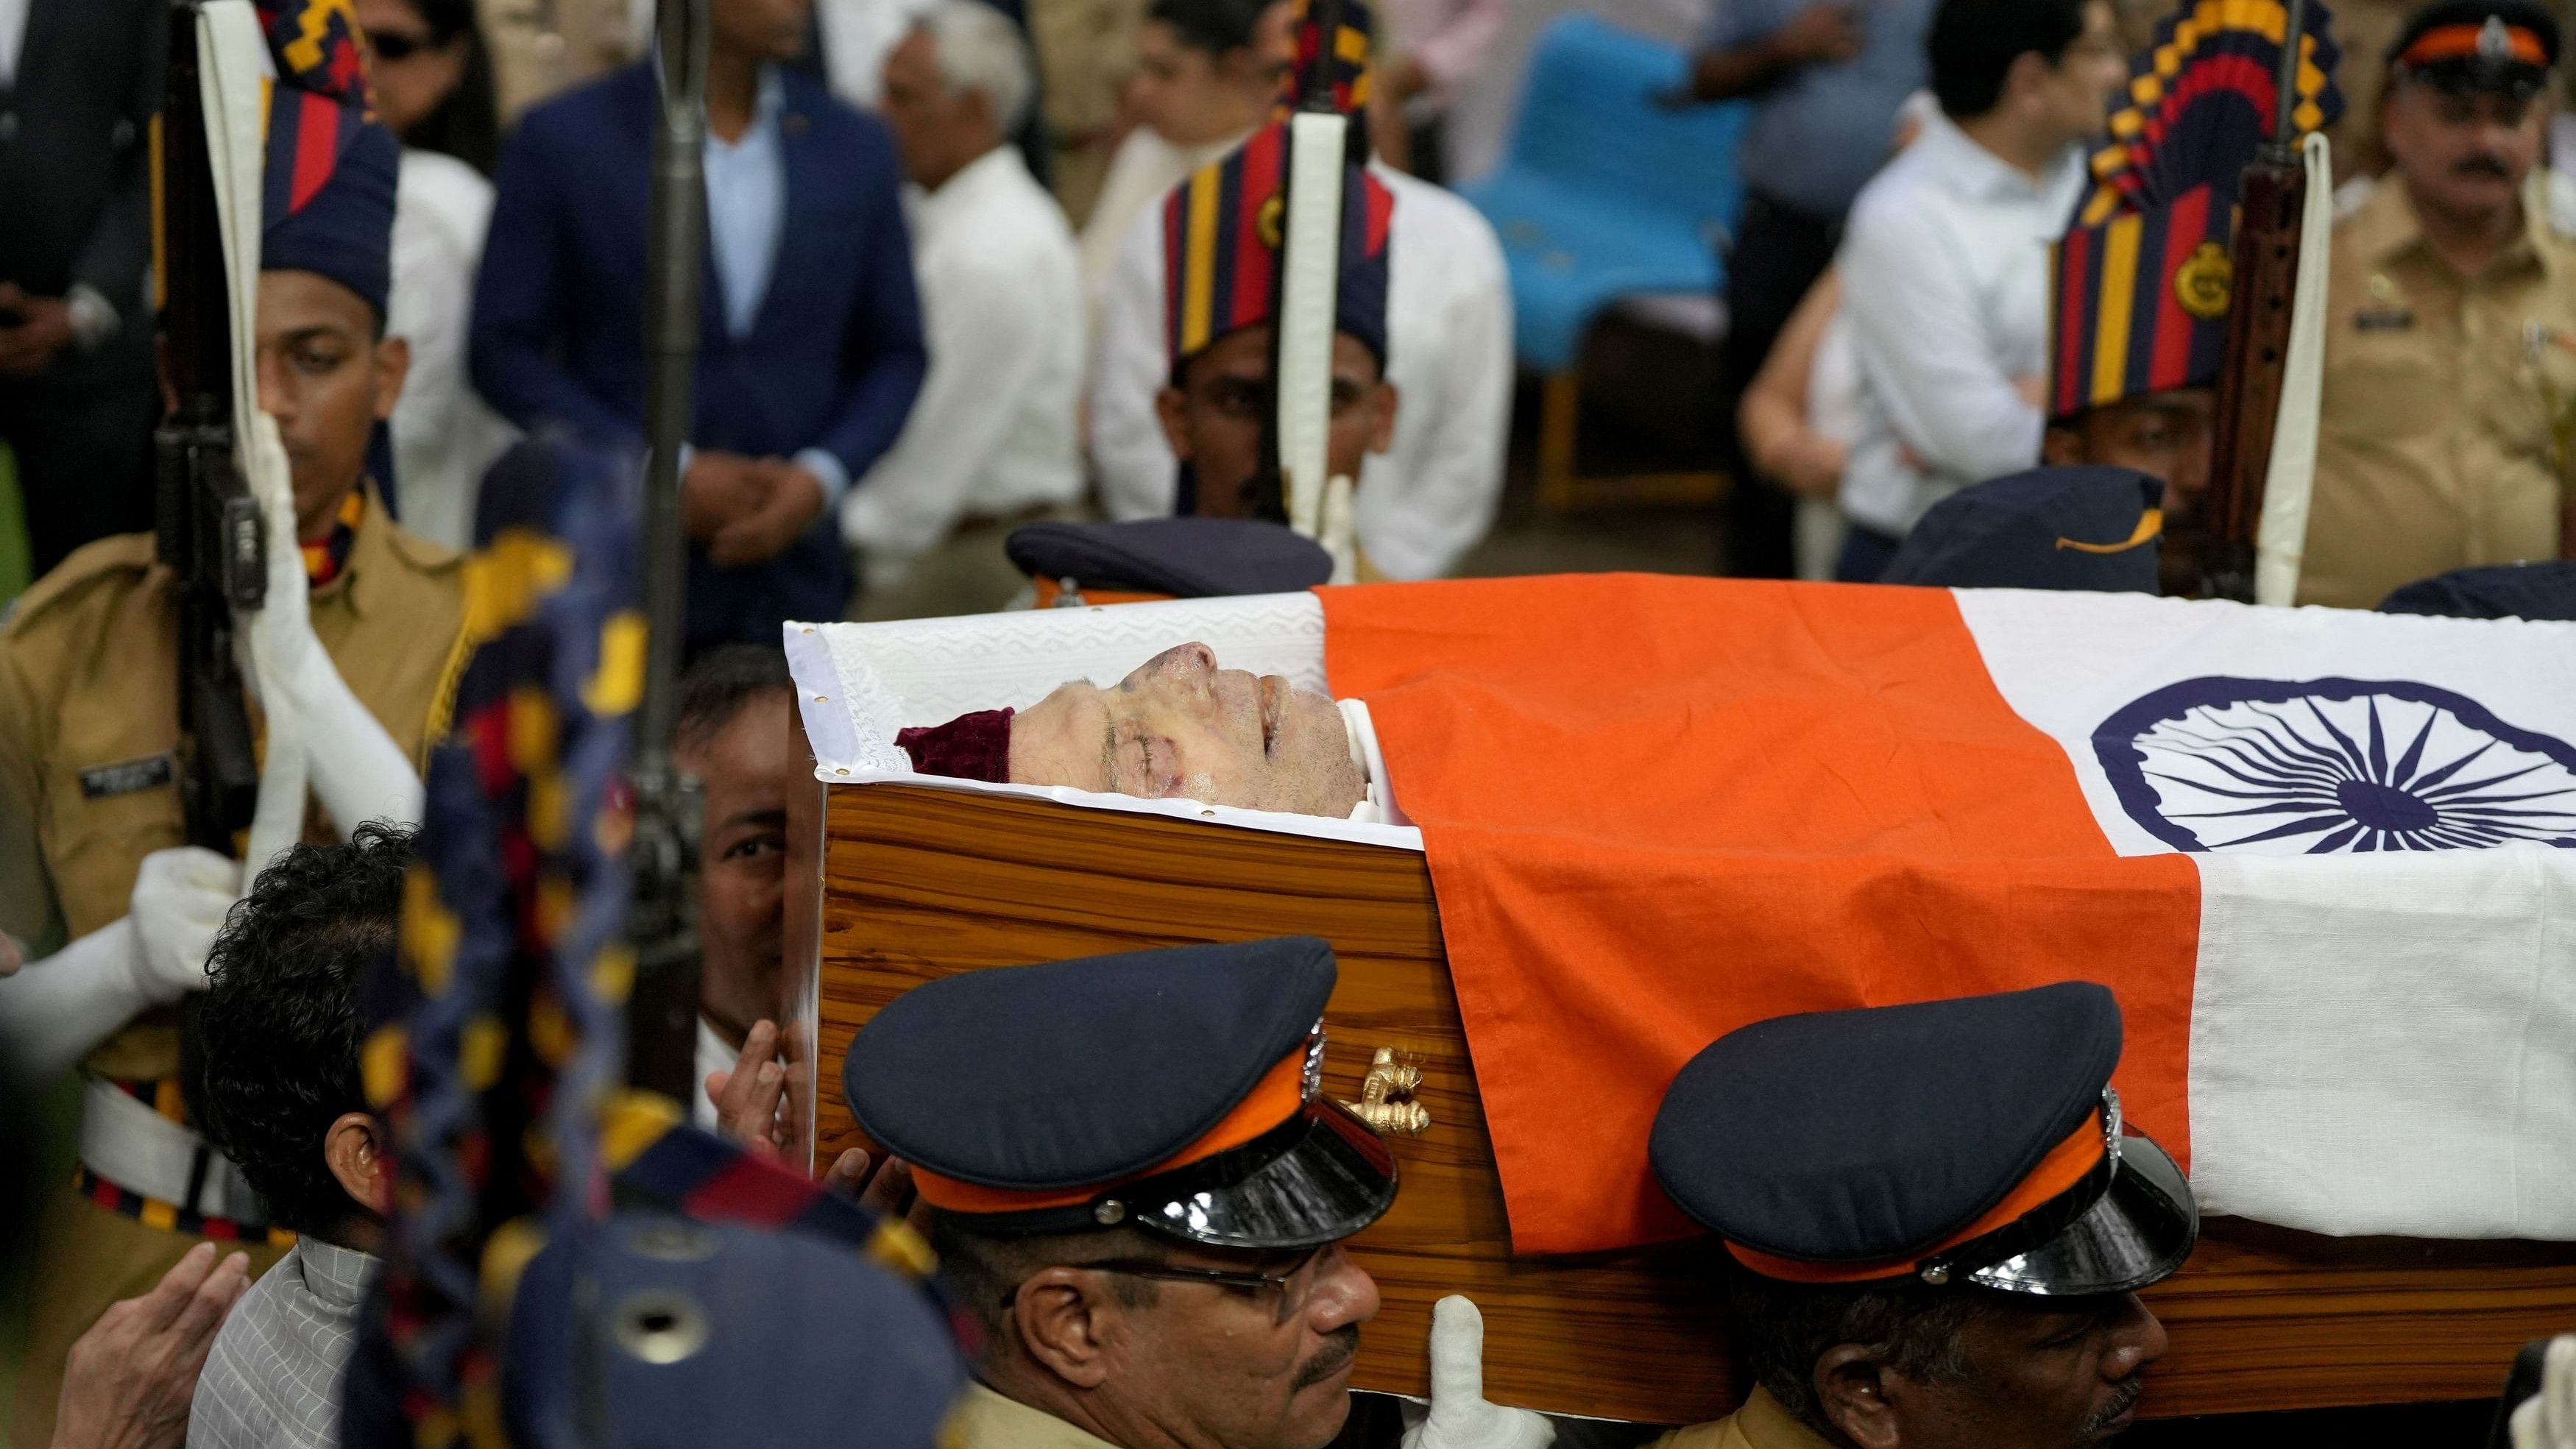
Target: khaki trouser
88, 1257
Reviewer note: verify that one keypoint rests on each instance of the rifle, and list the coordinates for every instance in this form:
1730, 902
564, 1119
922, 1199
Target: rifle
662, 1014
207, 528
2271, 194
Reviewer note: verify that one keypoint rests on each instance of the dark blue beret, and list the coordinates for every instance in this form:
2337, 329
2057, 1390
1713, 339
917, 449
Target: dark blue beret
1186, 558
2496, 591
721, 1335
1035, 1090
1879, 1137
2048, 528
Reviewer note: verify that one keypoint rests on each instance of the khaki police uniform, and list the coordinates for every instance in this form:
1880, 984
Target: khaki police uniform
1086, 54
984, 1419
1761, 1424
89, 786
2448, 404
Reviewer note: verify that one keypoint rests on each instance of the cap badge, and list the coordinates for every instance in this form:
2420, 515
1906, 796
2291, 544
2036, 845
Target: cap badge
1271, 220
2493, 41
2111, 1124
1314, 1074
2203, 282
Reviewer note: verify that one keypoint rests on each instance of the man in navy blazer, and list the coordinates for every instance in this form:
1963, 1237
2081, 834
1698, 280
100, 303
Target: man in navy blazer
810, 344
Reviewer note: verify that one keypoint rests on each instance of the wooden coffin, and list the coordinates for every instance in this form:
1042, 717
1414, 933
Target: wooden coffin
892, 885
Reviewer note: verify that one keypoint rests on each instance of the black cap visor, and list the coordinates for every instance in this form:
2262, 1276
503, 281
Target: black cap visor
1317, 1178
2471, 75
2136, 1232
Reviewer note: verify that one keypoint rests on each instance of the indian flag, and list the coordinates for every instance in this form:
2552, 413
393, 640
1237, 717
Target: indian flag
2326, 859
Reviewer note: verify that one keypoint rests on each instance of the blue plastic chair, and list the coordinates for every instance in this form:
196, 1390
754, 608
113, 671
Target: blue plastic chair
1603, 193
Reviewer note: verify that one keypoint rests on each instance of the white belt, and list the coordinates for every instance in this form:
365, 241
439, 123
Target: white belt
138, 1149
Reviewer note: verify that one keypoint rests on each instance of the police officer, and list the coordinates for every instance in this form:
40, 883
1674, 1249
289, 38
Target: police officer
2450, 372
1139, 1190
1937, 1226
93, 876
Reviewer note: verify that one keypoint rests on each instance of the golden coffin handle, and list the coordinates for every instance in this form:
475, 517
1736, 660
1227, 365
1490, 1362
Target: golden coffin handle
1386, 1096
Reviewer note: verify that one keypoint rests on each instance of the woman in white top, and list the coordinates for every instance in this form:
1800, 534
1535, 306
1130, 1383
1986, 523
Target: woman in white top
432, 79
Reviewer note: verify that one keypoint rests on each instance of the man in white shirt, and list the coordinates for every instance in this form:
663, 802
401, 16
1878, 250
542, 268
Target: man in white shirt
1430, 495
1945, 264
992, 438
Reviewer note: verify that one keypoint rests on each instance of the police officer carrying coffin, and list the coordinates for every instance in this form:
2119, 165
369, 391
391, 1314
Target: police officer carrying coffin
1938, 1228
2450, 370
1139, 1191
362, 628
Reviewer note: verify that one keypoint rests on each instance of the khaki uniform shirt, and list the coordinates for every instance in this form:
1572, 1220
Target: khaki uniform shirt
984, 1419
1760, 1424
2447, 404
89, 721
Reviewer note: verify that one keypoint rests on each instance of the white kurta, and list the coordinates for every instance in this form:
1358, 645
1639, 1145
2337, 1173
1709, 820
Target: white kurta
444, 434
993, 429
1429, 498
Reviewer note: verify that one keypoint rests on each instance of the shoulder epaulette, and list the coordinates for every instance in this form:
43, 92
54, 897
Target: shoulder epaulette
124, 553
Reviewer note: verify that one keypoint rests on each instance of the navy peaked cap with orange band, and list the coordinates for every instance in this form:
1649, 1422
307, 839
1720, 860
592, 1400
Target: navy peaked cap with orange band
2090, 527
1221, 237
327, 190
1974, 1140
1175, 1091
2461, 46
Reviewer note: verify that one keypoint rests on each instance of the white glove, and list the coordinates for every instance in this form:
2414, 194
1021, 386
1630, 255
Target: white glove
2547, 1420
58, 1008
1459, 1417
356, 769
179, 903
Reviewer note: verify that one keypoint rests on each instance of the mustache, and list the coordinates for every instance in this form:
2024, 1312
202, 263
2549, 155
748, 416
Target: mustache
2122, 1400
1341, 1346
2482, 166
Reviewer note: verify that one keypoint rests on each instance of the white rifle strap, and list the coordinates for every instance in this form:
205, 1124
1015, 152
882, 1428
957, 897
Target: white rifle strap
234, 77
1311, 243
2281, 535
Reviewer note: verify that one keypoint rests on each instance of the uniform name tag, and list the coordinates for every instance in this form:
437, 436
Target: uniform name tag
125, 778
2391, 321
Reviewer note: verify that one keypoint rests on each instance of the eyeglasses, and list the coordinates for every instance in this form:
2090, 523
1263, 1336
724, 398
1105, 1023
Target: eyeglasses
1291, 1295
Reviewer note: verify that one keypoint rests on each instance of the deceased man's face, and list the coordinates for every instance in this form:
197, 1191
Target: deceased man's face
1180, 726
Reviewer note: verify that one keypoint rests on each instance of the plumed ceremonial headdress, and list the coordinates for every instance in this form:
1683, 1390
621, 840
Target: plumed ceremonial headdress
327, 191
1347, 67
1222, 230
2143, 279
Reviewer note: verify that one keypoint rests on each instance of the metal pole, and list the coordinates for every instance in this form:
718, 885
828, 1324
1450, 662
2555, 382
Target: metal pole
662, 925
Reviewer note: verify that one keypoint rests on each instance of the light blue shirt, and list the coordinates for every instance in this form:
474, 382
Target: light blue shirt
1822, 130
746, 214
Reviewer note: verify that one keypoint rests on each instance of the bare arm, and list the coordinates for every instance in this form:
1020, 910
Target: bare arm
1773, 419
1823, 33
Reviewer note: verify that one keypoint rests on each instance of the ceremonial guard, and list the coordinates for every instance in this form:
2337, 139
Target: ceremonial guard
93, 758
1148, 1265
1937, 1226
2143, 281
2450, 365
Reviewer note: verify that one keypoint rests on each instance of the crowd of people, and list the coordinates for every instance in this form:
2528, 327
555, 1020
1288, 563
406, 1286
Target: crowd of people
977, 265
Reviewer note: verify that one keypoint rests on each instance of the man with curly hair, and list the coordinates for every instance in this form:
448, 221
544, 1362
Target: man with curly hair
281, 1095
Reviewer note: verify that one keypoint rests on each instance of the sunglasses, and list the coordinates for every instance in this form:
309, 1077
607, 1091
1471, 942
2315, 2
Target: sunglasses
393, 45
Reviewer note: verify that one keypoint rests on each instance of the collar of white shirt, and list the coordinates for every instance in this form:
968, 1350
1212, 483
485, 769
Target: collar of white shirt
1978, 174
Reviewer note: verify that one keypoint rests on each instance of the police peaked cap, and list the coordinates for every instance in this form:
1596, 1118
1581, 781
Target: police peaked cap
1174, 1091
2542, 590
1965, 1141
1182, 558
2506, 46
2090, 527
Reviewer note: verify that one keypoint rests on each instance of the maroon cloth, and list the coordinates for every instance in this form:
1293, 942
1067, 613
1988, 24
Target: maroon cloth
974, 746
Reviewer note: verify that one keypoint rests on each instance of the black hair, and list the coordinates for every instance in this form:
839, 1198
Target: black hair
720, 684
466, 125
1780, 1330
1974, 42
985, 1269
1214, 26
279, 1027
